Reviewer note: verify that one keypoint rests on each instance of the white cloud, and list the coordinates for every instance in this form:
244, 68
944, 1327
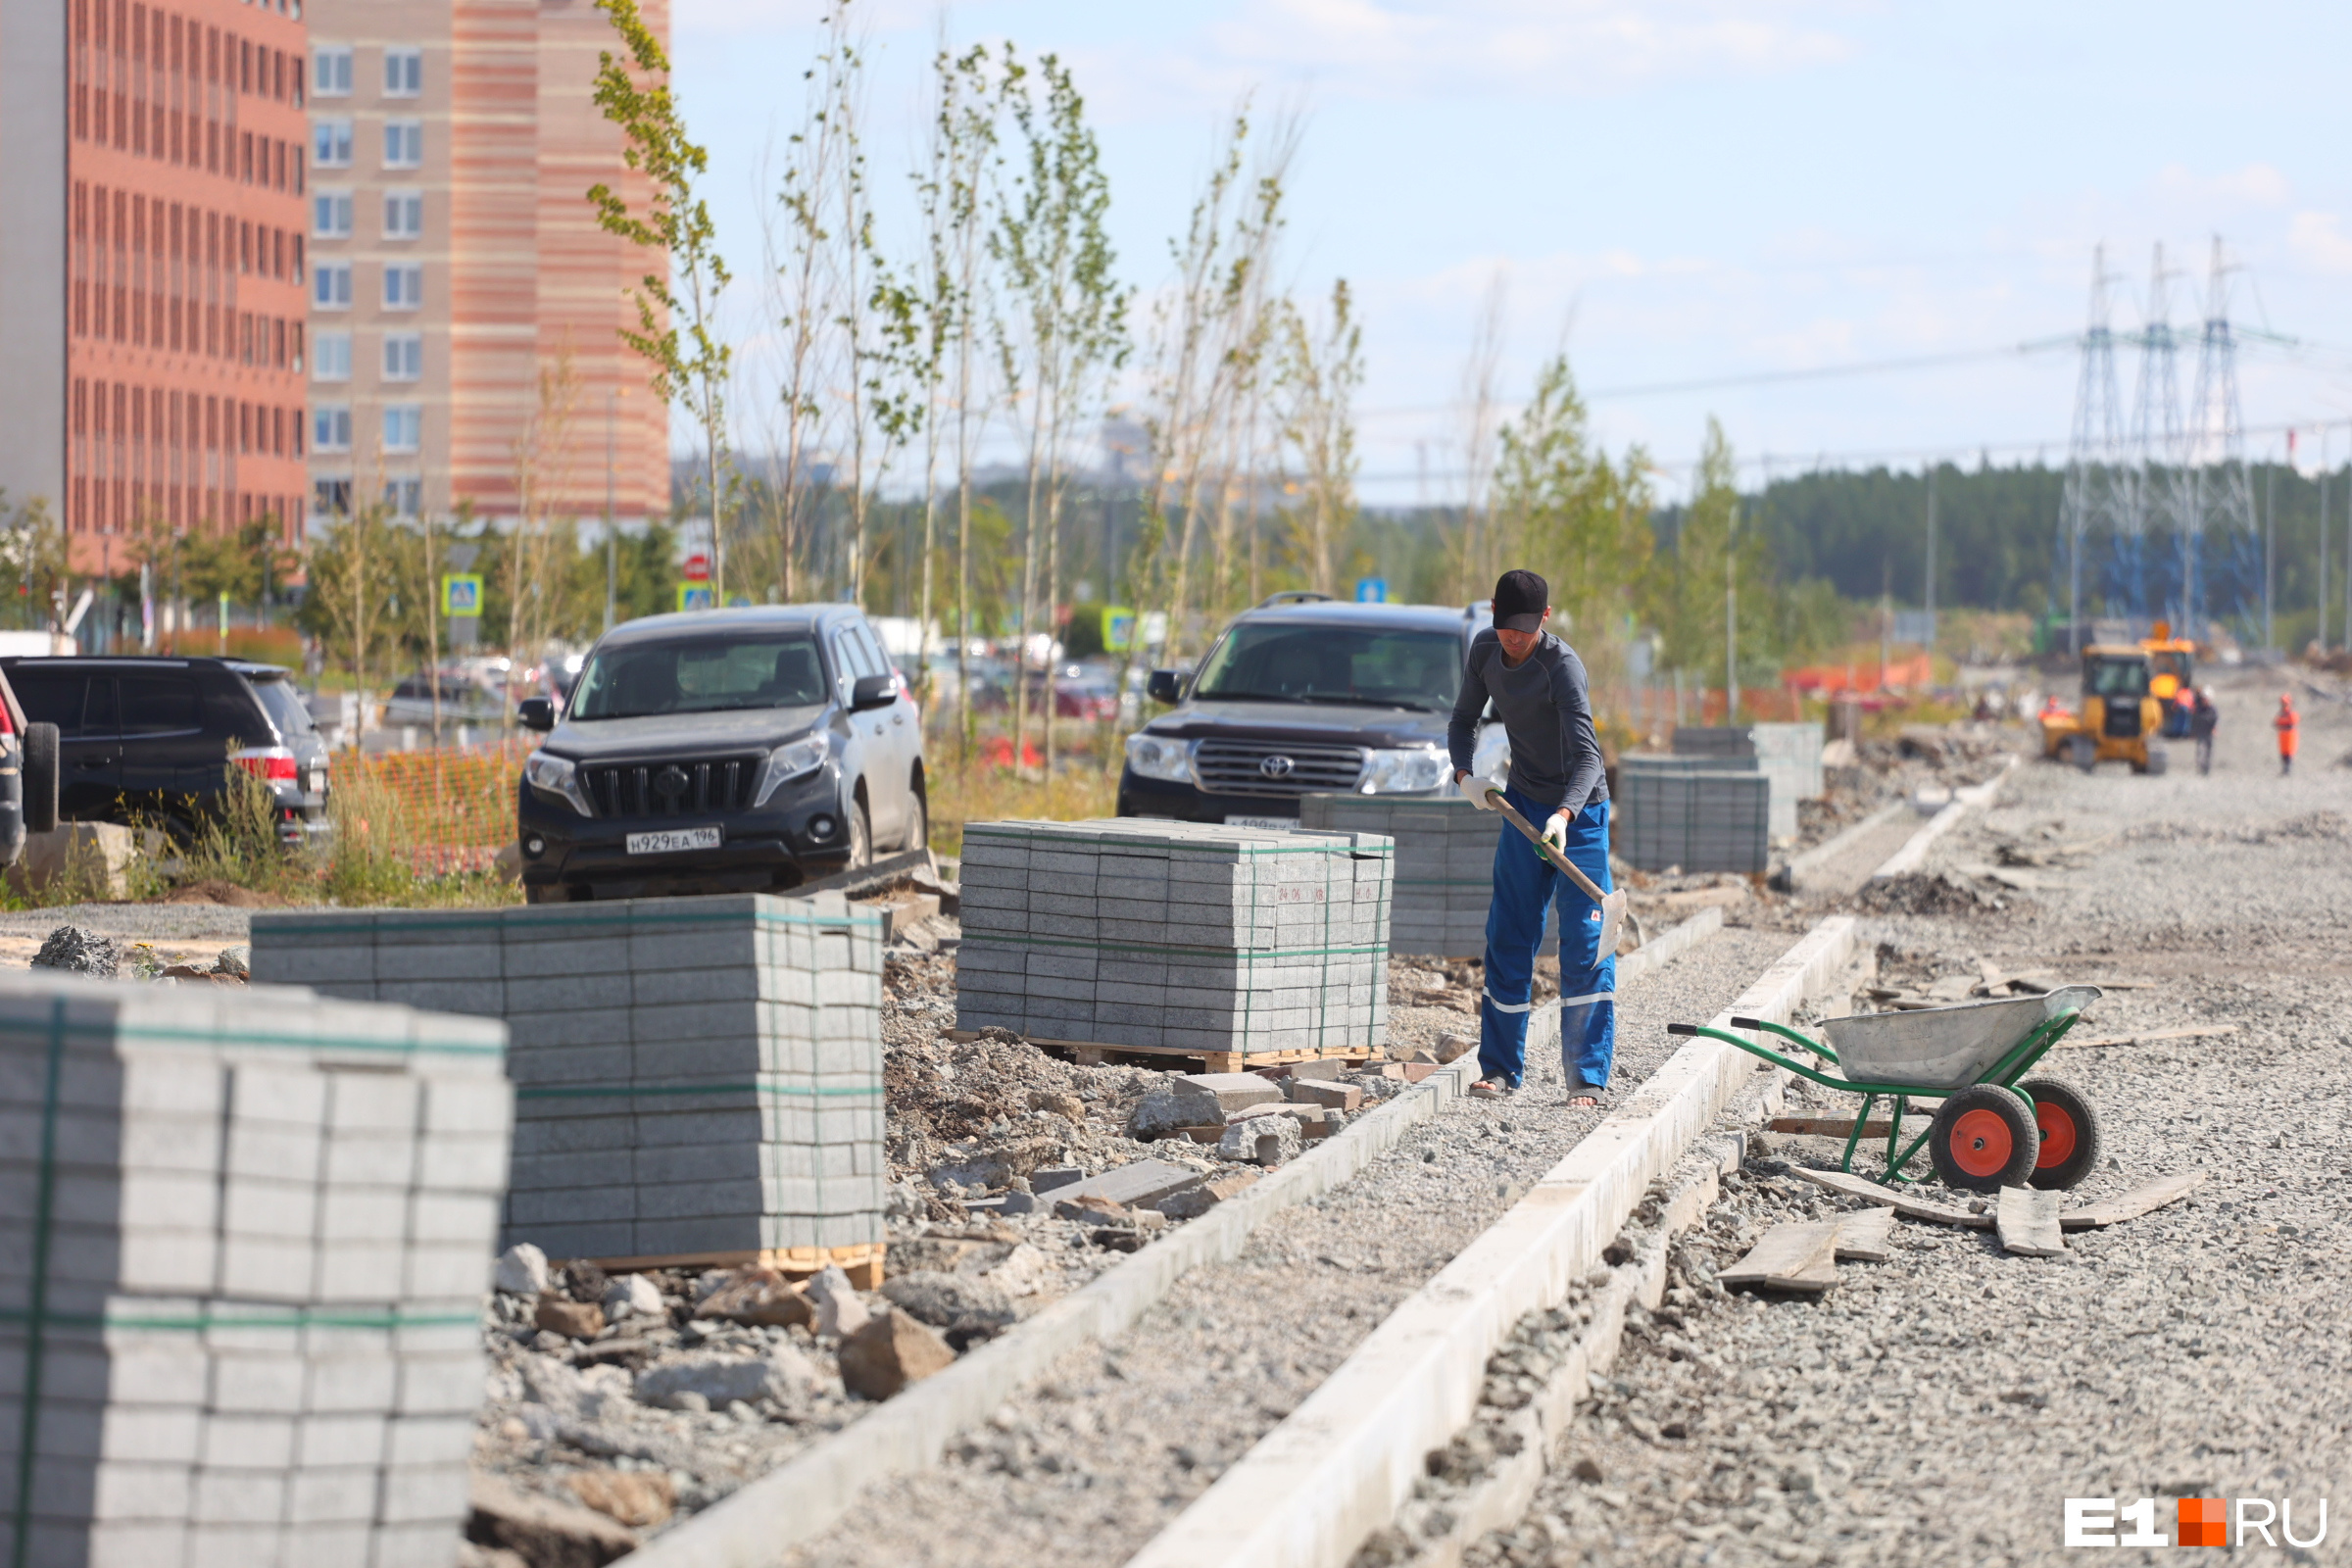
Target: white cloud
2317, 240
2254, 185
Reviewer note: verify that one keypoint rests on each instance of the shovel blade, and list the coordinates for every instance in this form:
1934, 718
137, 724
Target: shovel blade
1612, 920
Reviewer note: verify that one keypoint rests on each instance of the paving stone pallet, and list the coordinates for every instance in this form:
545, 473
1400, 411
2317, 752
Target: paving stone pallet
697, 1080
1693, 812
1176, 937
242, 1252
1788, 755
1445, 867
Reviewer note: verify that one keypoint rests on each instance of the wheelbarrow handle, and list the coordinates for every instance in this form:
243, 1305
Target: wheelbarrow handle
1558, 862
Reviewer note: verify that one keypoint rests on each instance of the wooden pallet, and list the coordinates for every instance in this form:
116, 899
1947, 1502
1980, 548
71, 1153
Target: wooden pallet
863, 1264
1092, 1053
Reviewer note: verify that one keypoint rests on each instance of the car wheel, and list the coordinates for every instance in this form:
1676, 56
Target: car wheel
918, 822
40, 778
862, 838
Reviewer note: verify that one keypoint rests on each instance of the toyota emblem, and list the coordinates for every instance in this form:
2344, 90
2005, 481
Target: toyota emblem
671, 782
1276, 767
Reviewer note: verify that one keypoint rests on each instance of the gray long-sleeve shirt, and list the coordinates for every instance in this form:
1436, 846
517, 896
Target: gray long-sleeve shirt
1548, 712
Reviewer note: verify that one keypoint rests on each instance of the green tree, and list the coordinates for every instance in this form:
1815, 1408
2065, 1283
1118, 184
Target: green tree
1317, 375
1559, 505
1714, 566
33, 559
689, 366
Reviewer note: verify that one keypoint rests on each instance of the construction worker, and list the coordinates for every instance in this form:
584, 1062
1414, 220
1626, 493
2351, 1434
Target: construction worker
2203, 719
2052, 708
1537, 684
2285, 724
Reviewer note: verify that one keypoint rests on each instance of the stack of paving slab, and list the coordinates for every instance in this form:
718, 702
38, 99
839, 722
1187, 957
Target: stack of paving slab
696, 1078
1695, 814
1184, 936
1788, 755
1445, 867
242, 1257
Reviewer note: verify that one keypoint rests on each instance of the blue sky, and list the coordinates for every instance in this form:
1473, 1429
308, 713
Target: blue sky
1682, 190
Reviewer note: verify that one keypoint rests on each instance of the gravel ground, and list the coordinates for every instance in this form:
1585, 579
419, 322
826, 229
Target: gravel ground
1088, 1465
1938, 1408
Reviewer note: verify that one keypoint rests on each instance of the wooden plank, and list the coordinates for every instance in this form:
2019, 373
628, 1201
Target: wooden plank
2026, 1220
1789, 1257
2206, 1031
1825, 1126
1239, 1060
862, 1262
2143, 1200
1866, 1236
1901, 1203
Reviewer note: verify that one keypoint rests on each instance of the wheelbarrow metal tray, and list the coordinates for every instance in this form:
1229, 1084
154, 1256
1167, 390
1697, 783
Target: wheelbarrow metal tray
1944, 1048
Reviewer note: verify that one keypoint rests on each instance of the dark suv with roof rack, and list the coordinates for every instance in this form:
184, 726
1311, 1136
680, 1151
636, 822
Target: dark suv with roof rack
1303, 696
722, 750
153, 739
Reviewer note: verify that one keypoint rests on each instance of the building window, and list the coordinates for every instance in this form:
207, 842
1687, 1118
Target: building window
404, 143
404, 72
404, 216
330, 72
331, 144
333, 351
331, 498
404, 357
403, 426
404, 287
330, 427
405, 496
330, 287
330, 215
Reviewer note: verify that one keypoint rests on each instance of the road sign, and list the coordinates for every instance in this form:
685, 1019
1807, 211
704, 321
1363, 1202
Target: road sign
1371, 590
1118, 628
695, 596
461, 595
697, 568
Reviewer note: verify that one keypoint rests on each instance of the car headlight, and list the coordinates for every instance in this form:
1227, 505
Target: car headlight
558, 777
1160, 757
1413, 770
794, 759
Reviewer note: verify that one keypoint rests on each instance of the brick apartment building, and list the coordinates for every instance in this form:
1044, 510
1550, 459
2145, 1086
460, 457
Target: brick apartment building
152, 268
464, 305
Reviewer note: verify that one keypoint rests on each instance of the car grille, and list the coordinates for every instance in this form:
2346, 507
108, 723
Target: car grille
1237, 767
672, 788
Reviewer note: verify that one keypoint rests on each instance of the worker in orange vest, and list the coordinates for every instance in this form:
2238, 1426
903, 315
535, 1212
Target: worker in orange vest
2286, 725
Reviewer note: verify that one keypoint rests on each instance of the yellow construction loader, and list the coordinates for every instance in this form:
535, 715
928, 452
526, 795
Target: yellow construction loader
2119, 717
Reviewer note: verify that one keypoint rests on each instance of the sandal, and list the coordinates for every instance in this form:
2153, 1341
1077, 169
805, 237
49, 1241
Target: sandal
1488, 1088
1582, 1103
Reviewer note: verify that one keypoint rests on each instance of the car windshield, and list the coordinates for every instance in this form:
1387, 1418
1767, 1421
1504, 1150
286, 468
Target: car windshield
2119, 677
701, 676
1370, 666
285, 705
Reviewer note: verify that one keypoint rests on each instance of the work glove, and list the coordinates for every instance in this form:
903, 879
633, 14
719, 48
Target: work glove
1474, 789
1555, 832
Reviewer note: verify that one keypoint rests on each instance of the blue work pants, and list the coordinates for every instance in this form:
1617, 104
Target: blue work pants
1525, 888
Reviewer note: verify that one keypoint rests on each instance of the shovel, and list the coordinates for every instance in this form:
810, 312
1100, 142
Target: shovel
1612, 904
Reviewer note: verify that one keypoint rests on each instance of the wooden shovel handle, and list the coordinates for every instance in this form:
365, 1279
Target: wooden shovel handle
1559, 862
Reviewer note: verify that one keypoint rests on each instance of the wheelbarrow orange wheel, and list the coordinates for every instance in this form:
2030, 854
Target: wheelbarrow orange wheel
2070, 1131
1984, 1140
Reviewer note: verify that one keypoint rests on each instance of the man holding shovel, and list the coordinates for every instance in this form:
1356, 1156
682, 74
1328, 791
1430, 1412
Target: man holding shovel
1537, 684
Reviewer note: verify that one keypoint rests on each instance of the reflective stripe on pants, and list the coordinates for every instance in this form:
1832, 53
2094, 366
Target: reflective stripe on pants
1526, 890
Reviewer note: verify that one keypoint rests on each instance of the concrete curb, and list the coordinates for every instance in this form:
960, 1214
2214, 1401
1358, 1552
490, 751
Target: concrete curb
1915, 849
801, 1499
1831, 848
1341, 1465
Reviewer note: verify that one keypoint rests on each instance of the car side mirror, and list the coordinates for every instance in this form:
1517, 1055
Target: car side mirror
873, 691
536, 712
1164, 687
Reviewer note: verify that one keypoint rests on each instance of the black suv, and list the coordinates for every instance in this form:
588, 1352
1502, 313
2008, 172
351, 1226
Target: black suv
722, 750
1304, 695
154, 738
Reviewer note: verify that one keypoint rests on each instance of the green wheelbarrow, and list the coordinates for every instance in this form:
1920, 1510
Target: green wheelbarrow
1996, 1127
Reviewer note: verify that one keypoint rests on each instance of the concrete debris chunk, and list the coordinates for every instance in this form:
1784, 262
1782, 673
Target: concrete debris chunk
720, 1380
1330, 1094
1093, 1209
760, 1297
839, 1312
1164, 1112
894, 1349
578, 1320
1226, 1092
961, 1303
544, 1531
632, 1296
1453, 1048
638, 1497
1260, 1140
236, 961
522, 1270
1138, 1183
1195, 1201
76, 950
